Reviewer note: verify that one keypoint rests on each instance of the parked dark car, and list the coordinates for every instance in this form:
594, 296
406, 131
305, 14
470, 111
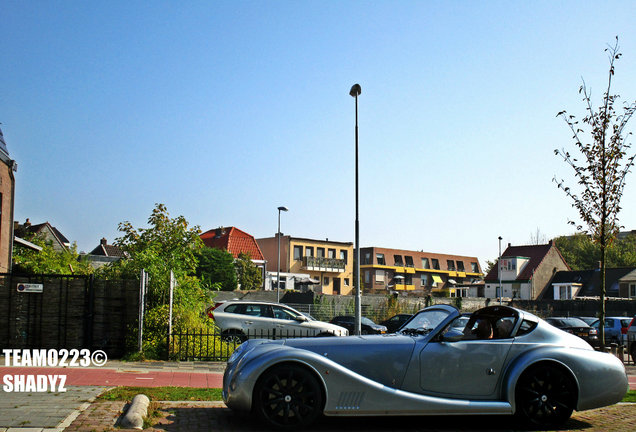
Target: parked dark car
394, 323
615, 329
366, 325
577, 327
588, 320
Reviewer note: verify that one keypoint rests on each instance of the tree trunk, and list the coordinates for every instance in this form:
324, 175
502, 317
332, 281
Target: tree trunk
601, 318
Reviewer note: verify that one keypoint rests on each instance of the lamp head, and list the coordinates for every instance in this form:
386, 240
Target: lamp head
281, 208
355, 90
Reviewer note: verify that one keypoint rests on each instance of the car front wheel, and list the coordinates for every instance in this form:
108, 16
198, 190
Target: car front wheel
545, 395
288, 396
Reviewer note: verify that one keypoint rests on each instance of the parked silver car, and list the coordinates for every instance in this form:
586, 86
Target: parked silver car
240, 320
504, 361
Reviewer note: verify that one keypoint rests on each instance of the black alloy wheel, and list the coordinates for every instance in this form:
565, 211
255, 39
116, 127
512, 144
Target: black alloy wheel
236, 337
545, 395
288, 396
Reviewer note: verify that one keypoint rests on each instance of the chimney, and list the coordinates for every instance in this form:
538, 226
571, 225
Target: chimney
27, 223
550, 242
103, 241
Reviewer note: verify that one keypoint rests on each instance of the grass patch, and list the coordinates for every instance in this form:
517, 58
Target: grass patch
630, 396
164, 394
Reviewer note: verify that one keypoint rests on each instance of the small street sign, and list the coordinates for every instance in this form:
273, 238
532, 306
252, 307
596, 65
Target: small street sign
30, 288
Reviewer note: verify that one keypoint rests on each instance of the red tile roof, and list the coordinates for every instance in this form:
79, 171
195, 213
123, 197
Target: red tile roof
233, 240
536, 253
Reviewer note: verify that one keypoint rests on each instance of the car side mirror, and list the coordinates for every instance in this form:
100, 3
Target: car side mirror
453, 336
301, 318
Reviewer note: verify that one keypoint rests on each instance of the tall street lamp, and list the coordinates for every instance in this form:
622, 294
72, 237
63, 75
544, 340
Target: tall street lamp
355, 92
280, 209
500, 270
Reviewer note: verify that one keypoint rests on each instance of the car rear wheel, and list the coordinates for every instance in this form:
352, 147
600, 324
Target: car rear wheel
545, 395
234, 336
288, 396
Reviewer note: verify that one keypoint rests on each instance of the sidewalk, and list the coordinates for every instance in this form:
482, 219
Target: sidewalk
53, 411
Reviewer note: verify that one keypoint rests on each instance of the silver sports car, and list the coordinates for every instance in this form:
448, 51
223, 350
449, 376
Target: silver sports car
503, 361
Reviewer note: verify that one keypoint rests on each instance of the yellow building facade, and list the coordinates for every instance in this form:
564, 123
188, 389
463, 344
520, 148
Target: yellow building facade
329, 263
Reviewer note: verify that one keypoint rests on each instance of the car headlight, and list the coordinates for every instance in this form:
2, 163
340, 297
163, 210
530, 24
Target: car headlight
238, 352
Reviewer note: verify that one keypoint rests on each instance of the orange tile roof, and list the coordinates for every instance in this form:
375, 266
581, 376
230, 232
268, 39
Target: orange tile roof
233, 240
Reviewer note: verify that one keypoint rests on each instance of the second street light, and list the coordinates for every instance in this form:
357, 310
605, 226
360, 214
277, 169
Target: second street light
355, 92
281, 208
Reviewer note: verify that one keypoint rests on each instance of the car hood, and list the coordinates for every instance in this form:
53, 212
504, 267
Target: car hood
382, 358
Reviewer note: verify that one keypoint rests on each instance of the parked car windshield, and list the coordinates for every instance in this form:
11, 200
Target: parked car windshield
367, 321
567, 322
425, 321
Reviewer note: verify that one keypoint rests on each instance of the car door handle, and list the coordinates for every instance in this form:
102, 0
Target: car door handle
249, 322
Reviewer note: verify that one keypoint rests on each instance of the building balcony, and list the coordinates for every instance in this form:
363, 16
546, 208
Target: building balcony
331, 265
404, 287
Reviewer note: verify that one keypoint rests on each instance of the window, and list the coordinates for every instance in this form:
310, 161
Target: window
425, 264
424, 280
367, 277
408, 279
346, 281
343, 256
460, 266
408, 260
380, 258
283, 313
367, 258
283, 281
632, 290
298, 252
435, 263
450, 265
325, 281
398, 260
379, 276
331, 253
309, 251
320, 252
474, 267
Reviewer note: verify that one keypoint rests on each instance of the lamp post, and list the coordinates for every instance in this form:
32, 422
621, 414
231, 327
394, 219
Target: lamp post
499, 270
355, 92
281, 208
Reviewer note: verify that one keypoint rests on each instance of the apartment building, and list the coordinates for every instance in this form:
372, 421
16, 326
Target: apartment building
329, 263
384, 269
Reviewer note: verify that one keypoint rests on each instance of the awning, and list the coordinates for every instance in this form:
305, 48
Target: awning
306, 280
437, 279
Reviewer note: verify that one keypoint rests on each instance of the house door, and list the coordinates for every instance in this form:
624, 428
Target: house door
336, 285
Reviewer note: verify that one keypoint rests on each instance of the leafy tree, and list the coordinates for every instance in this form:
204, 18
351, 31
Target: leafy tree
581, 253
248, 274
48, 260
168, 244
602, 172
217, 266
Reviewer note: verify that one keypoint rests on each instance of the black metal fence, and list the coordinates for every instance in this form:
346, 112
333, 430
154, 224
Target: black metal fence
213, 345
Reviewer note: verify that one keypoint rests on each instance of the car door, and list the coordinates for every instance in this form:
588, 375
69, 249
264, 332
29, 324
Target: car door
286, 324
465, 368
258, 320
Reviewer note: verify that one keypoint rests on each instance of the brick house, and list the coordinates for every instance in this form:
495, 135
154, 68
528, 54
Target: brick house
7, 194
525, 271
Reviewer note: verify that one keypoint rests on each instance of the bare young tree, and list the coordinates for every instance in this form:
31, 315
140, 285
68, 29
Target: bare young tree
537, 237
603, 168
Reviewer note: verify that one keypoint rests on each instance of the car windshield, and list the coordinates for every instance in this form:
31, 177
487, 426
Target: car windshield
367, 321
425, 321
570, 322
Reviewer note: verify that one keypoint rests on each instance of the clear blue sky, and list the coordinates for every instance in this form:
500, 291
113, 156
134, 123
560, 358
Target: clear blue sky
226, 110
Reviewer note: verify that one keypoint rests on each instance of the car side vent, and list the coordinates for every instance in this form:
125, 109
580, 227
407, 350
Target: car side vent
350, 401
